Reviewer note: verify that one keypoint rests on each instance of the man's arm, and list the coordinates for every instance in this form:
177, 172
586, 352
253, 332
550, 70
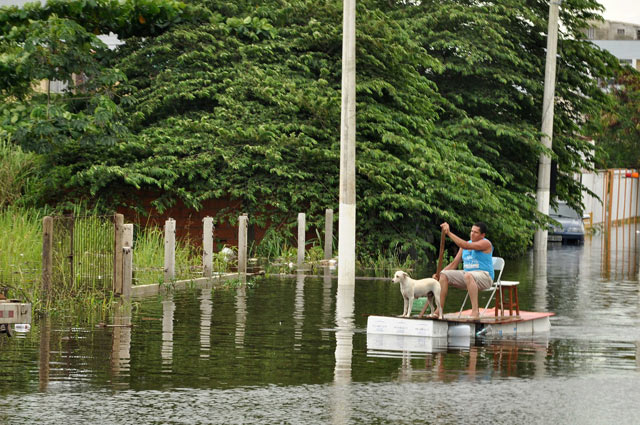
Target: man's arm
482, 245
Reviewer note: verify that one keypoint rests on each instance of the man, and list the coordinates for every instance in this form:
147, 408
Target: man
477, 272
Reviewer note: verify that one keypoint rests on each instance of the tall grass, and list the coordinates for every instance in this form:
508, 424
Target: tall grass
21, 251
385, 264
148, 257
21, 260
276, 246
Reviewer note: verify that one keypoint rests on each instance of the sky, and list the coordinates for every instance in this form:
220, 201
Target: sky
616, 10
622, 10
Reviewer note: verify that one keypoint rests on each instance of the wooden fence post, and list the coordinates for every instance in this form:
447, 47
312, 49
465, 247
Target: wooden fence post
117, 254
47, 258
169, 250
243, 222
207, 246
302, 227
127, 260
328, 234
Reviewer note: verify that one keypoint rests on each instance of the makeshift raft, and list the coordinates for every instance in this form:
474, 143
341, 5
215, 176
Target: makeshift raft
527, 323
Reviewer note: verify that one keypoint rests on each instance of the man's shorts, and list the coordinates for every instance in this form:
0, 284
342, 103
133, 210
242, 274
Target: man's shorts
456, 278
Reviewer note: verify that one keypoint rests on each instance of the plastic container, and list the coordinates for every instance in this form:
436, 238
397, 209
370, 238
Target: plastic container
22, 327
459, 330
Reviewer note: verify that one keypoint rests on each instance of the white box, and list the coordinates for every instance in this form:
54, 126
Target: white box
405, 326
403, 343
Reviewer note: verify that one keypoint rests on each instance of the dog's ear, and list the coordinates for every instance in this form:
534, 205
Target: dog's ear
405, 274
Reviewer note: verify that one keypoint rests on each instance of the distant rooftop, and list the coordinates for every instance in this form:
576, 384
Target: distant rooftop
612, 30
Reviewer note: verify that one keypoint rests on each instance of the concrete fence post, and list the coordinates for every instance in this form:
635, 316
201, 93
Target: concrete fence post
302, 227
127, 271
127, 260
328, 234
207, 246
127, 235
169, 250
243, 222
47, 258
117, 253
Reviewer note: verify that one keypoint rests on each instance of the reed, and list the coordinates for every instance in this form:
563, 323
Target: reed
275, 251
276, 245
148, 258
385, 264
21, 251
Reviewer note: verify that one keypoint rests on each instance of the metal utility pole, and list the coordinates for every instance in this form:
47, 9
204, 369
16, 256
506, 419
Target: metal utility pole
544, 167
347, 211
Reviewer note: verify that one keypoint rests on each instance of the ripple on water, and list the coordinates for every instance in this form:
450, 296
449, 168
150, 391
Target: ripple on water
556, 400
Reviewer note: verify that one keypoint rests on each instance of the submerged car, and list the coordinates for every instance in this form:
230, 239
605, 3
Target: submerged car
571, 227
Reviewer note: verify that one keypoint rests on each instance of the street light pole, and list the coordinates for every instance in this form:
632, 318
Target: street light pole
347, 210
544, 166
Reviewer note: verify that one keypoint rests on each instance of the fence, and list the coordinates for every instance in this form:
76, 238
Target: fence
78, 254
618, 190
98, 252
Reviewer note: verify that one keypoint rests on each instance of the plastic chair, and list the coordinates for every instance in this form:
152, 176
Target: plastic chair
498, 283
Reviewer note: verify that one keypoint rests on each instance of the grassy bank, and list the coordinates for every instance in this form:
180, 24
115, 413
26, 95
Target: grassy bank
21, 252
21, 259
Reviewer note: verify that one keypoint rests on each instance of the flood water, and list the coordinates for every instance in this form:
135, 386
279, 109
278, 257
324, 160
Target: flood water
296, 351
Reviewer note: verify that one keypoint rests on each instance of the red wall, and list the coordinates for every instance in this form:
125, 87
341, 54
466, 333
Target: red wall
189, 221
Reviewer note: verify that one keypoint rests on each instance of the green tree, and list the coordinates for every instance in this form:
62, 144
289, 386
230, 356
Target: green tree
249, 108
244, 103
616, 130
493, 56
56, 42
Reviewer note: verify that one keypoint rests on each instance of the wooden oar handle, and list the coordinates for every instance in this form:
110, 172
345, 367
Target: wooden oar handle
439, 269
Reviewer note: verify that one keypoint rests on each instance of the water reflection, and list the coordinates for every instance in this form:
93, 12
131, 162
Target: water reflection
298, 311
45, 344
341, 406
518, 357
121, 338
241, 313
168, 308
540, 280
293, 370
619, 250
327, 298
206, 308
483, 359
386, 345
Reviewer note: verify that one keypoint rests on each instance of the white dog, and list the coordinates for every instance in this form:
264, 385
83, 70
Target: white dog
412, 289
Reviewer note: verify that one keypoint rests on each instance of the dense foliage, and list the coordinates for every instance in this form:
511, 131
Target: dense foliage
242, 101
616, 130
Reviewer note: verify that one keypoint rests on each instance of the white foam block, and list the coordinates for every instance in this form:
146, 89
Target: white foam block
404, 326
404, 343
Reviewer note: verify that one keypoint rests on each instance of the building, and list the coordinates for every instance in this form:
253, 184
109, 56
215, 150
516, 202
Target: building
621, 39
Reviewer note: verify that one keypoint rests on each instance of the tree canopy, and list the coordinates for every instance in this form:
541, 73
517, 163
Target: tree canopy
242, 101
616, 129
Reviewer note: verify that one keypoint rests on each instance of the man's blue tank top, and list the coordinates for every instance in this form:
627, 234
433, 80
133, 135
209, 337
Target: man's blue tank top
474, 260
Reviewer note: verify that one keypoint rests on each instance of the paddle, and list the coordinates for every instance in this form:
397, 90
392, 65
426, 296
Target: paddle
439, 269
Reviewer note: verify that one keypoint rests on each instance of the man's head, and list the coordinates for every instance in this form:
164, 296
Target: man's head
478, 231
